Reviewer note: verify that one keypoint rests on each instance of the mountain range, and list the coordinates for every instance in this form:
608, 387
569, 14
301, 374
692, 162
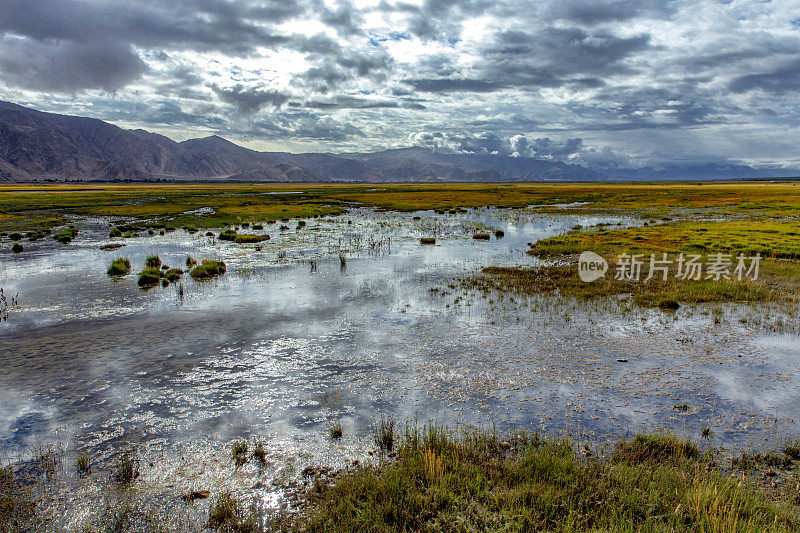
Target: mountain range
35, 145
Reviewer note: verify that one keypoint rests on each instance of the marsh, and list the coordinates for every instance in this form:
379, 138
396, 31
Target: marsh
179, 372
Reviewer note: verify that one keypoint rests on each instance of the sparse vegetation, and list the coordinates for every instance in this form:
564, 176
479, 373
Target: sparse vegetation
383, 434
259, 453
239, 450
427, 240
82, 464
127, 468
226, 514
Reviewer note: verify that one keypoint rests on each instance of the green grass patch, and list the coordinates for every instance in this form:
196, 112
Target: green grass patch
208, 269
228, 235
250, 238
65, 236
119, 267
474, 481
777, 242
152, 261
149, 277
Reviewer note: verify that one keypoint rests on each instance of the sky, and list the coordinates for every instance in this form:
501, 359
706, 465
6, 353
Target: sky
604, 83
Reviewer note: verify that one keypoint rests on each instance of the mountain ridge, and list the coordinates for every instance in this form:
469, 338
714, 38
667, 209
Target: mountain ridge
37, 145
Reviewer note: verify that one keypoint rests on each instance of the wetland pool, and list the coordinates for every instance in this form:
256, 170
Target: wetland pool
350, 318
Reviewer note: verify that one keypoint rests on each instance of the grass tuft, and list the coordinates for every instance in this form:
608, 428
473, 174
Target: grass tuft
657, 448
383, 434
208, 269
119, 267
226, 514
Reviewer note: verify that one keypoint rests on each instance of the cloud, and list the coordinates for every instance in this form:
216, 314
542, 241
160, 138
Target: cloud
783, 79
448, 85
600, 11
66, 66
651, 80
249, 100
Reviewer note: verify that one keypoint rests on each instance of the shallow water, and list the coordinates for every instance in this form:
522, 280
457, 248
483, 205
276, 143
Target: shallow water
290, 339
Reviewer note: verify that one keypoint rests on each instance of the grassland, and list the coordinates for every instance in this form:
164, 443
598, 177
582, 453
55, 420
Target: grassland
778, 243
34, 207
477, 481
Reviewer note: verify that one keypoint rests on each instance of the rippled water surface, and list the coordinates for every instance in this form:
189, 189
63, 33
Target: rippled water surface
293, 337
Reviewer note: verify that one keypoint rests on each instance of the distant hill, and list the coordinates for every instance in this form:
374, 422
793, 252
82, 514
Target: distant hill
35, 145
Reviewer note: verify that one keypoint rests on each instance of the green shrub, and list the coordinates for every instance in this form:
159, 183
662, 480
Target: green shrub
16, 248
152, 262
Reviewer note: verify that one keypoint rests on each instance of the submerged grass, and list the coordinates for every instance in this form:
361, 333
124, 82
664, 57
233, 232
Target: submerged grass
475, 481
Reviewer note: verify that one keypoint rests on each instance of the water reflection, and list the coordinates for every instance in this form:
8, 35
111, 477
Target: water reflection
254, 352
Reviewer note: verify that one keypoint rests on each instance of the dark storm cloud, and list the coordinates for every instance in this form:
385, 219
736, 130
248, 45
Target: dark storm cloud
544, 148
249, 100
553, 57
348, 102
66, 66
344, 18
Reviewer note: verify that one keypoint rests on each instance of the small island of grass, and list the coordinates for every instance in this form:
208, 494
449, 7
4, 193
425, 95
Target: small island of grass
250, 238
208, 269
65, 236
149, 277
119, 267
